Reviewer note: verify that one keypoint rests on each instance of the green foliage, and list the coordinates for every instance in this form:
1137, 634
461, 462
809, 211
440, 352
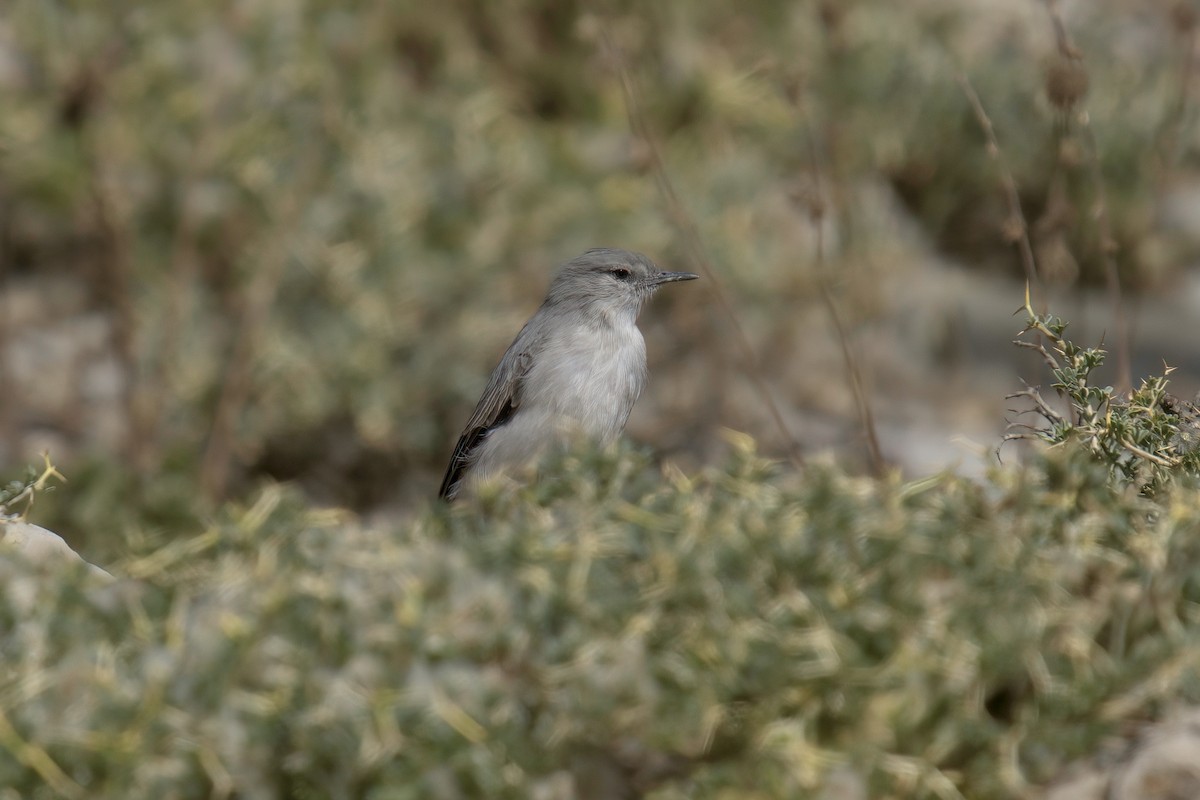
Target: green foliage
17, 497
1146, 437
731, 635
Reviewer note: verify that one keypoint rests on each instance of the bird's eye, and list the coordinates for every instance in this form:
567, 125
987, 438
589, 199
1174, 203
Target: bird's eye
621, 274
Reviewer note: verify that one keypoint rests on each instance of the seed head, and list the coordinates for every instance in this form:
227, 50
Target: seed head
1066, 83
1183, 16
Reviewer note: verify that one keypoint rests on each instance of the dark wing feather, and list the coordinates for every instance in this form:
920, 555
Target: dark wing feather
497, 405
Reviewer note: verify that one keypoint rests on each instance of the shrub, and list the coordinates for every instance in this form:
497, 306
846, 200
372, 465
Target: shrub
1147, 437
734, 634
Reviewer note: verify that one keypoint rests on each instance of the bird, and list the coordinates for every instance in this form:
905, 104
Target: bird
576, 368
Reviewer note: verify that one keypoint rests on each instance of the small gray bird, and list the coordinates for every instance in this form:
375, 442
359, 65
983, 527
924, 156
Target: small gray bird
576, 368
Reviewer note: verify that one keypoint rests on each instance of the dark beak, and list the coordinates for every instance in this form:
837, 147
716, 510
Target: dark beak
671, 277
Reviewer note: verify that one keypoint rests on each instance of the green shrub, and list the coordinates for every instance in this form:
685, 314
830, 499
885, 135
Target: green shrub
735, 634
1148, 437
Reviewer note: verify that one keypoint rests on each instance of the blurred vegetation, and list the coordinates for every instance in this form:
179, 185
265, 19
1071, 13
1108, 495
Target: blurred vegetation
617, 631
314, 226
310, 229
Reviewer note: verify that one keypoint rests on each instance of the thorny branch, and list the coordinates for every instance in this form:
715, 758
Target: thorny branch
1146, 437
1043, 408
1039, 348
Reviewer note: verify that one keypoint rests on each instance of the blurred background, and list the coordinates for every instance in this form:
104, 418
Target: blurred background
288, 239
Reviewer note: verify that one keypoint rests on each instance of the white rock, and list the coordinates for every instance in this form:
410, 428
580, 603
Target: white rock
42, 546
1166, 762
1163, 763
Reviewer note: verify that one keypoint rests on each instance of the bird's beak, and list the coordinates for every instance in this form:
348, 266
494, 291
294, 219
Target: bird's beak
671, 277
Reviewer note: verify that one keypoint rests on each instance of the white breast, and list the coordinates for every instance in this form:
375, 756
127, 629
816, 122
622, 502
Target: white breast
585, 382
590, 376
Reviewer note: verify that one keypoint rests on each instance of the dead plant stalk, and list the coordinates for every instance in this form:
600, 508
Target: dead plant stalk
686, 226
1107, 244
248, 330
817, 211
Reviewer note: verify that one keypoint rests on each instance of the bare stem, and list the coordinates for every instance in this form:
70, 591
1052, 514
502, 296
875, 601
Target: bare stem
1170, 147
1038, 347
1162, 462
249, 327
165, 352
1043, 407
1018, 226
849, 357
8, 394
686, 226
113, 287
1107, 244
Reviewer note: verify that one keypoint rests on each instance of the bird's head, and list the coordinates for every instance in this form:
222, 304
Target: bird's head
609, 282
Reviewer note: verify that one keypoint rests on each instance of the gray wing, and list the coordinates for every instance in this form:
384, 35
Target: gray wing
499, 402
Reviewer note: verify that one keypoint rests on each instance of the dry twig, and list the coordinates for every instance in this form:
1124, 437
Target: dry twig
249, 327
686, 226
113, 288
165, 352
1043, 407
1017, 228
1038, 347
8, 395
817, 211
1170, 142
1107, 244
